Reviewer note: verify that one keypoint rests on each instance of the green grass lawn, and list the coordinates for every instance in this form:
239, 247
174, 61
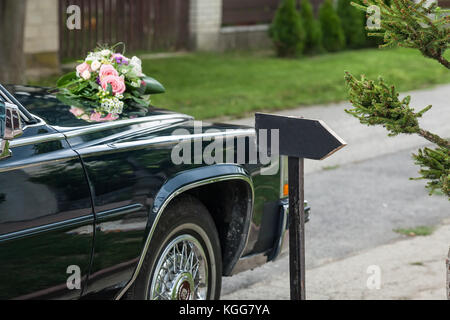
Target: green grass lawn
418, 231
234, 85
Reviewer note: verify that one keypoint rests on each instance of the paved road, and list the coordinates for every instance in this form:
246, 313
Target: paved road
357, 205
413, 268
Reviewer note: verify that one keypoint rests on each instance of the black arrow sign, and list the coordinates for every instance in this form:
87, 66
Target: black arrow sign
299, 139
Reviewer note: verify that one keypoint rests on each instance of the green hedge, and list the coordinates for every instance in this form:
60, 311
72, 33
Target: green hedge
333, 35
287, 30
352, 24
313, 39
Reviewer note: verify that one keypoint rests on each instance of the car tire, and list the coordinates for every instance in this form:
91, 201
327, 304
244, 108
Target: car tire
184, 260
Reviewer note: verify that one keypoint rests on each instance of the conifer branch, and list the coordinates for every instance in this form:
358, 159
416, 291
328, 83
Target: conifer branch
413, 25
376, 103
410, 25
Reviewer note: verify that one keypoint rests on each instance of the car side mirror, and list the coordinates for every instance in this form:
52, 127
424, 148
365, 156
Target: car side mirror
10, 126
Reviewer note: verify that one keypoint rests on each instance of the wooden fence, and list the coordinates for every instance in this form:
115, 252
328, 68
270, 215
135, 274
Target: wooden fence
141, 24
251, 12
248, 12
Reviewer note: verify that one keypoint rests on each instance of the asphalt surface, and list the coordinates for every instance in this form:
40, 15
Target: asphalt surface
361, 194
410, 269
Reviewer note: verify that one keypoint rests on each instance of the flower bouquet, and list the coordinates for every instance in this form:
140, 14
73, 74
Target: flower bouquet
107, 85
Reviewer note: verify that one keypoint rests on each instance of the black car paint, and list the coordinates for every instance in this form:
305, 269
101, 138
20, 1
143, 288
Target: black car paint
46, 200
88, 196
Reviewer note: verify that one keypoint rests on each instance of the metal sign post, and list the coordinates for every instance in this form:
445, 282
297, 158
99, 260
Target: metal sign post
448, 275
299, 139
297, 228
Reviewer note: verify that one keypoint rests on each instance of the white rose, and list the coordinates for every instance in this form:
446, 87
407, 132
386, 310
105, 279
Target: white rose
136, 61
86, 75
136, 64
94, 56
95, 65
105, 52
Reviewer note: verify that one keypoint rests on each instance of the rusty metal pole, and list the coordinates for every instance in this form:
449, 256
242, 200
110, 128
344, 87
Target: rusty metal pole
297, 228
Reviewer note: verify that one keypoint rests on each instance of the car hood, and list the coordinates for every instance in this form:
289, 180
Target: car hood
42, 102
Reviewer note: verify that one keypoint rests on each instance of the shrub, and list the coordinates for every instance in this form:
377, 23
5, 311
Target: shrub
352, 24
287, 31
333, 38
313, 32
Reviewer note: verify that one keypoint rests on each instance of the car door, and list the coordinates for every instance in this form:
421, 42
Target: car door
46, 219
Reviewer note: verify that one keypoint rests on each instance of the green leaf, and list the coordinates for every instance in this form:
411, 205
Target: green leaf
69, 101
109, 89
94, 85
66, 79
135, 93
141, 102
152, 86
80, 87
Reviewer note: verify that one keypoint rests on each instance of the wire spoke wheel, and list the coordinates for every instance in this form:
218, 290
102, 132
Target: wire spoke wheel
181, 271
184, 258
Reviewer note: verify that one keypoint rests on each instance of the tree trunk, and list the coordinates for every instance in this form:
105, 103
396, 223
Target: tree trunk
12, 29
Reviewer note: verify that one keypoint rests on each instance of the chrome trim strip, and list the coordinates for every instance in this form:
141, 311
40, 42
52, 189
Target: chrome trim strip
192, 137
128, 134
113, 213
38, 124
161, 211
4, 96
280, 246
88, 130
8, 97
250, 262
284, 227
79, 131
73, 223
159, 141
37, 139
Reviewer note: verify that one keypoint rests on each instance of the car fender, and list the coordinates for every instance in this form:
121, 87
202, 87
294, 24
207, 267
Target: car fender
188, 180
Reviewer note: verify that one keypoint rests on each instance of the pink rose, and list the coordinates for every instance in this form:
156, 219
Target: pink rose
108, 70
77, 112
82, 68
111, 117
97, 117
117, 84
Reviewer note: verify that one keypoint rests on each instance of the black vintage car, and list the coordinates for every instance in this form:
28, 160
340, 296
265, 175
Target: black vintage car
99, 210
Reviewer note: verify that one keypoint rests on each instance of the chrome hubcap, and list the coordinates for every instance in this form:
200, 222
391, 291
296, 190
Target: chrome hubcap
184, 287
181, 272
